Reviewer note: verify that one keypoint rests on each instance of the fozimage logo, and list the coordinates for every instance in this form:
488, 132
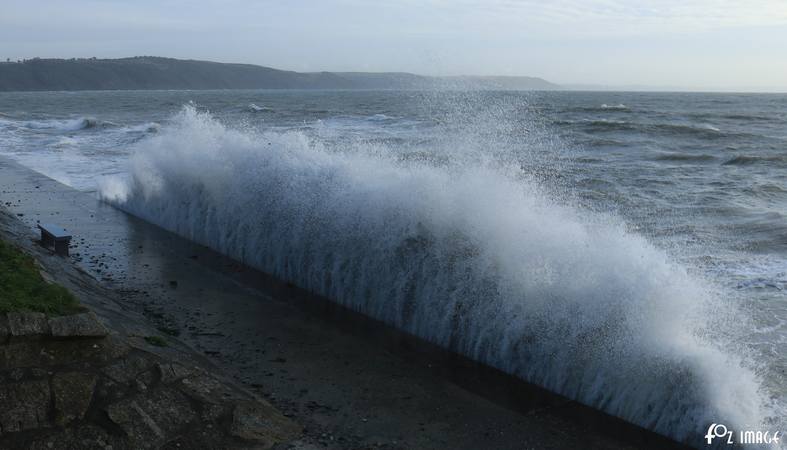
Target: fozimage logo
727, 436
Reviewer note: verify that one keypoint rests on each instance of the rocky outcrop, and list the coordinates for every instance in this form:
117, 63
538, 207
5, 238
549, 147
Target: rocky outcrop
67, 382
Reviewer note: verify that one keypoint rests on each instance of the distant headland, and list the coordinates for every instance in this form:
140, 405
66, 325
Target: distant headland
150, 72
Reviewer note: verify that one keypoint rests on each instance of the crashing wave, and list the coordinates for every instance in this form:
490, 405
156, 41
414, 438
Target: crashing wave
469, 257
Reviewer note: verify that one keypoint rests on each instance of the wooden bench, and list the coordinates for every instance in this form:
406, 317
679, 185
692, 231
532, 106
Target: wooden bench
54, 236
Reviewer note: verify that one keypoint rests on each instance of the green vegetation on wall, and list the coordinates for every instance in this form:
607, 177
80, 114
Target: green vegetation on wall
22, 288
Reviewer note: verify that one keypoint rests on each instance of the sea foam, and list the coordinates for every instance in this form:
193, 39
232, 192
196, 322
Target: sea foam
472, 257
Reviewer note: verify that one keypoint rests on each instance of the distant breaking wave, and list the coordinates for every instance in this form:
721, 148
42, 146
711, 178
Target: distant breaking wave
602, 108
381, 117
81, 123
254, 108
466, 256
704, 131
150, 127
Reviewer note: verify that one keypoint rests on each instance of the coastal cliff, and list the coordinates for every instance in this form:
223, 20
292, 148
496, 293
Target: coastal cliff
156, 73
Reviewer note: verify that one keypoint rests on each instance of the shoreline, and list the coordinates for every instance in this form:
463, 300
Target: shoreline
352, 382
97, 375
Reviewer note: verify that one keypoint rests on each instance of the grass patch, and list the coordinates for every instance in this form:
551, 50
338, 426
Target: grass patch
23, 289
158, 341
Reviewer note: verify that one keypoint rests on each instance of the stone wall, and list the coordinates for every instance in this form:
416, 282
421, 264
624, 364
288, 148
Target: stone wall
67, 382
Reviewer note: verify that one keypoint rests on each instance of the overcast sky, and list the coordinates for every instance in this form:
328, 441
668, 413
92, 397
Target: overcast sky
707, 44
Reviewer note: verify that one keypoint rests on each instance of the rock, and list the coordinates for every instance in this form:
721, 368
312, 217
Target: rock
86, 437
4, 330
128, 369
169, 408
47, 353
113, 347
25, 406
304, 445
23, 354
138, 426
217, 398
208, 389
213, 411
77, 325
170, 372
17, 374
263, 424
27, 324
38, 373
73, 392
150, 420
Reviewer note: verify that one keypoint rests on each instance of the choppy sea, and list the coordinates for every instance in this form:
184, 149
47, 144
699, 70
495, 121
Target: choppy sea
628, 250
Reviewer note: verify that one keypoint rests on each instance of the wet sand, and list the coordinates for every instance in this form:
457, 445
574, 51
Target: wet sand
352, 382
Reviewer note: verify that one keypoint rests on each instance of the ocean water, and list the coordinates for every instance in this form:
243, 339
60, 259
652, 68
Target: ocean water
628, 250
